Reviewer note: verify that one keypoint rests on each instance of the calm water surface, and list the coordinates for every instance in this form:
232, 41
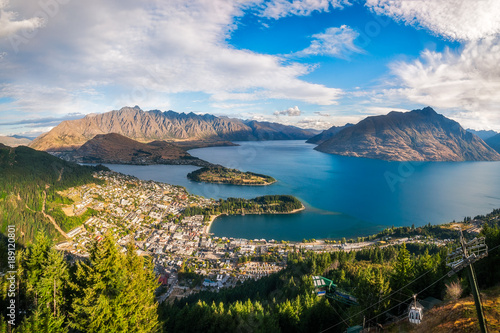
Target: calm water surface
344, 196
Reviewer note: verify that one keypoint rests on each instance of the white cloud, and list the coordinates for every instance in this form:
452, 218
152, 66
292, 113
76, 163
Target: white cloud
452, 19
314, 123
276, 9
233, 106
320, 123
467, 81
9, 25
292, 112
142, 52
334, 42
322, 114
30, 101
381, 110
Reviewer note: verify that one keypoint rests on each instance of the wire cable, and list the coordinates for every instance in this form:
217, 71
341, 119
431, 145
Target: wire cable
333, 307
421, 291
406, 300
391, 294
382, 300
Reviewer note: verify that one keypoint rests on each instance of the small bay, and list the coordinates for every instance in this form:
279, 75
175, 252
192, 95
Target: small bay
344, 196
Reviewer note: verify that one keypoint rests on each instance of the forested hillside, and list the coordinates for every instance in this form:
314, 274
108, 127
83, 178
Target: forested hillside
27, 178
112, 291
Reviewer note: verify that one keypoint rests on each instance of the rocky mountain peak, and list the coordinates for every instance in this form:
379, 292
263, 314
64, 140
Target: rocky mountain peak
418, 135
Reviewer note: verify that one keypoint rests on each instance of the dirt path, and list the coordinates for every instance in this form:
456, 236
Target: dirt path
60, 175
51, 218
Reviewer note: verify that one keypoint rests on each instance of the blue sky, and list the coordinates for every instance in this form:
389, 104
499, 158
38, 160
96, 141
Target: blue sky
309, 63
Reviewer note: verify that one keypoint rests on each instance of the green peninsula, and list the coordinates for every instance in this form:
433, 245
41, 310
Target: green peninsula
267, 204
222, 175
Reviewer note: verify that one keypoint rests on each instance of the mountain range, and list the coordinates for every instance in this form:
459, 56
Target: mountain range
148, 126
139, 137
419, 135
14, 141
483, 134
494, 142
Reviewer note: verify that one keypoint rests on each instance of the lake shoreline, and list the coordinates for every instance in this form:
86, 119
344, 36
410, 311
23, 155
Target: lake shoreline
220, 183
345, 196
206, 229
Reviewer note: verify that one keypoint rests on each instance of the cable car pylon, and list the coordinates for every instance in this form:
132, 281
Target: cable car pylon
464, 256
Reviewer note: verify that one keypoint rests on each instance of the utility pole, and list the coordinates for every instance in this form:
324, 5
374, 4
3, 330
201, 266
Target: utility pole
464, 256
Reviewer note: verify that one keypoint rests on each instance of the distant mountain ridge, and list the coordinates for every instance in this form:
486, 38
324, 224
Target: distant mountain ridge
419, 135
494, 142
483, 134
327, 134
14, 141
147, 126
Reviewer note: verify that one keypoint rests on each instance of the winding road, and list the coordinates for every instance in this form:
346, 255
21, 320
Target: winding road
51, 218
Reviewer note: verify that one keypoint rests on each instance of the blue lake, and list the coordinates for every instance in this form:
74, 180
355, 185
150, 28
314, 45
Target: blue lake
344, 196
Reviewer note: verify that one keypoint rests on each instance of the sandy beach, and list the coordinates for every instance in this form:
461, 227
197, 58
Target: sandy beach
206, 229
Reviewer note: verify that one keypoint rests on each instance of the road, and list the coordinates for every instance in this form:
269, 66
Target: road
51, 219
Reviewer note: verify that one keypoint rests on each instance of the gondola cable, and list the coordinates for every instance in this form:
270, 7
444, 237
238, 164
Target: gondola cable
391, 294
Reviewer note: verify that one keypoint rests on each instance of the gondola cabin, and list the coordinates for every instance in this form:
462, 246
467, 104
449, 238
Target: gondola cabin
415, 312
321, 293
326, 287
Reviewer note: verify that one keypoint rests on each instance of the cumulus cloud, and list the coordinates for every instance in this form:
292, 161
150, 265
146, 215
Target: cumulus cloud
334, 42
453, 19
276, 9
9, 25
292, 112
322, 114
467, 80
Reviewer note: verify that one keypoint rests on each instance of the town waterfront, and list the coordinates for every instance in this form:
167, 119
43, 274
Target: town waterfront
344, 196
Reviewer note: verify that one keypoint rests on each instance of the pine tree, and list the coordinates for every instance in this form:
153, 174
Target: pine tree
402, 271
383, 289
138, 300
45, 277
115, 292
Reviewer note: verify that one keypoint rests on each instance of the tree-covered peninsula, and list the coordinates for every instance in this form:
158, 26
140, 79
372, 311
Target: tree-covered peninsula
267, 204
222, 175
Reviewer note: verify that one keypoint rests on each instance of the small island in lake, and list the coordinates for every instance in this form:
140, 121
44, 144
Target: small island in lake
267, 204
222, 175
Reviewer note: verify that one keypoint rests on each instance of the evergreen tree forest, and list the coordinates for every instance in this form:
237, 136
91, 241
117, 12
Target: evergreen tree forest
111, 291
